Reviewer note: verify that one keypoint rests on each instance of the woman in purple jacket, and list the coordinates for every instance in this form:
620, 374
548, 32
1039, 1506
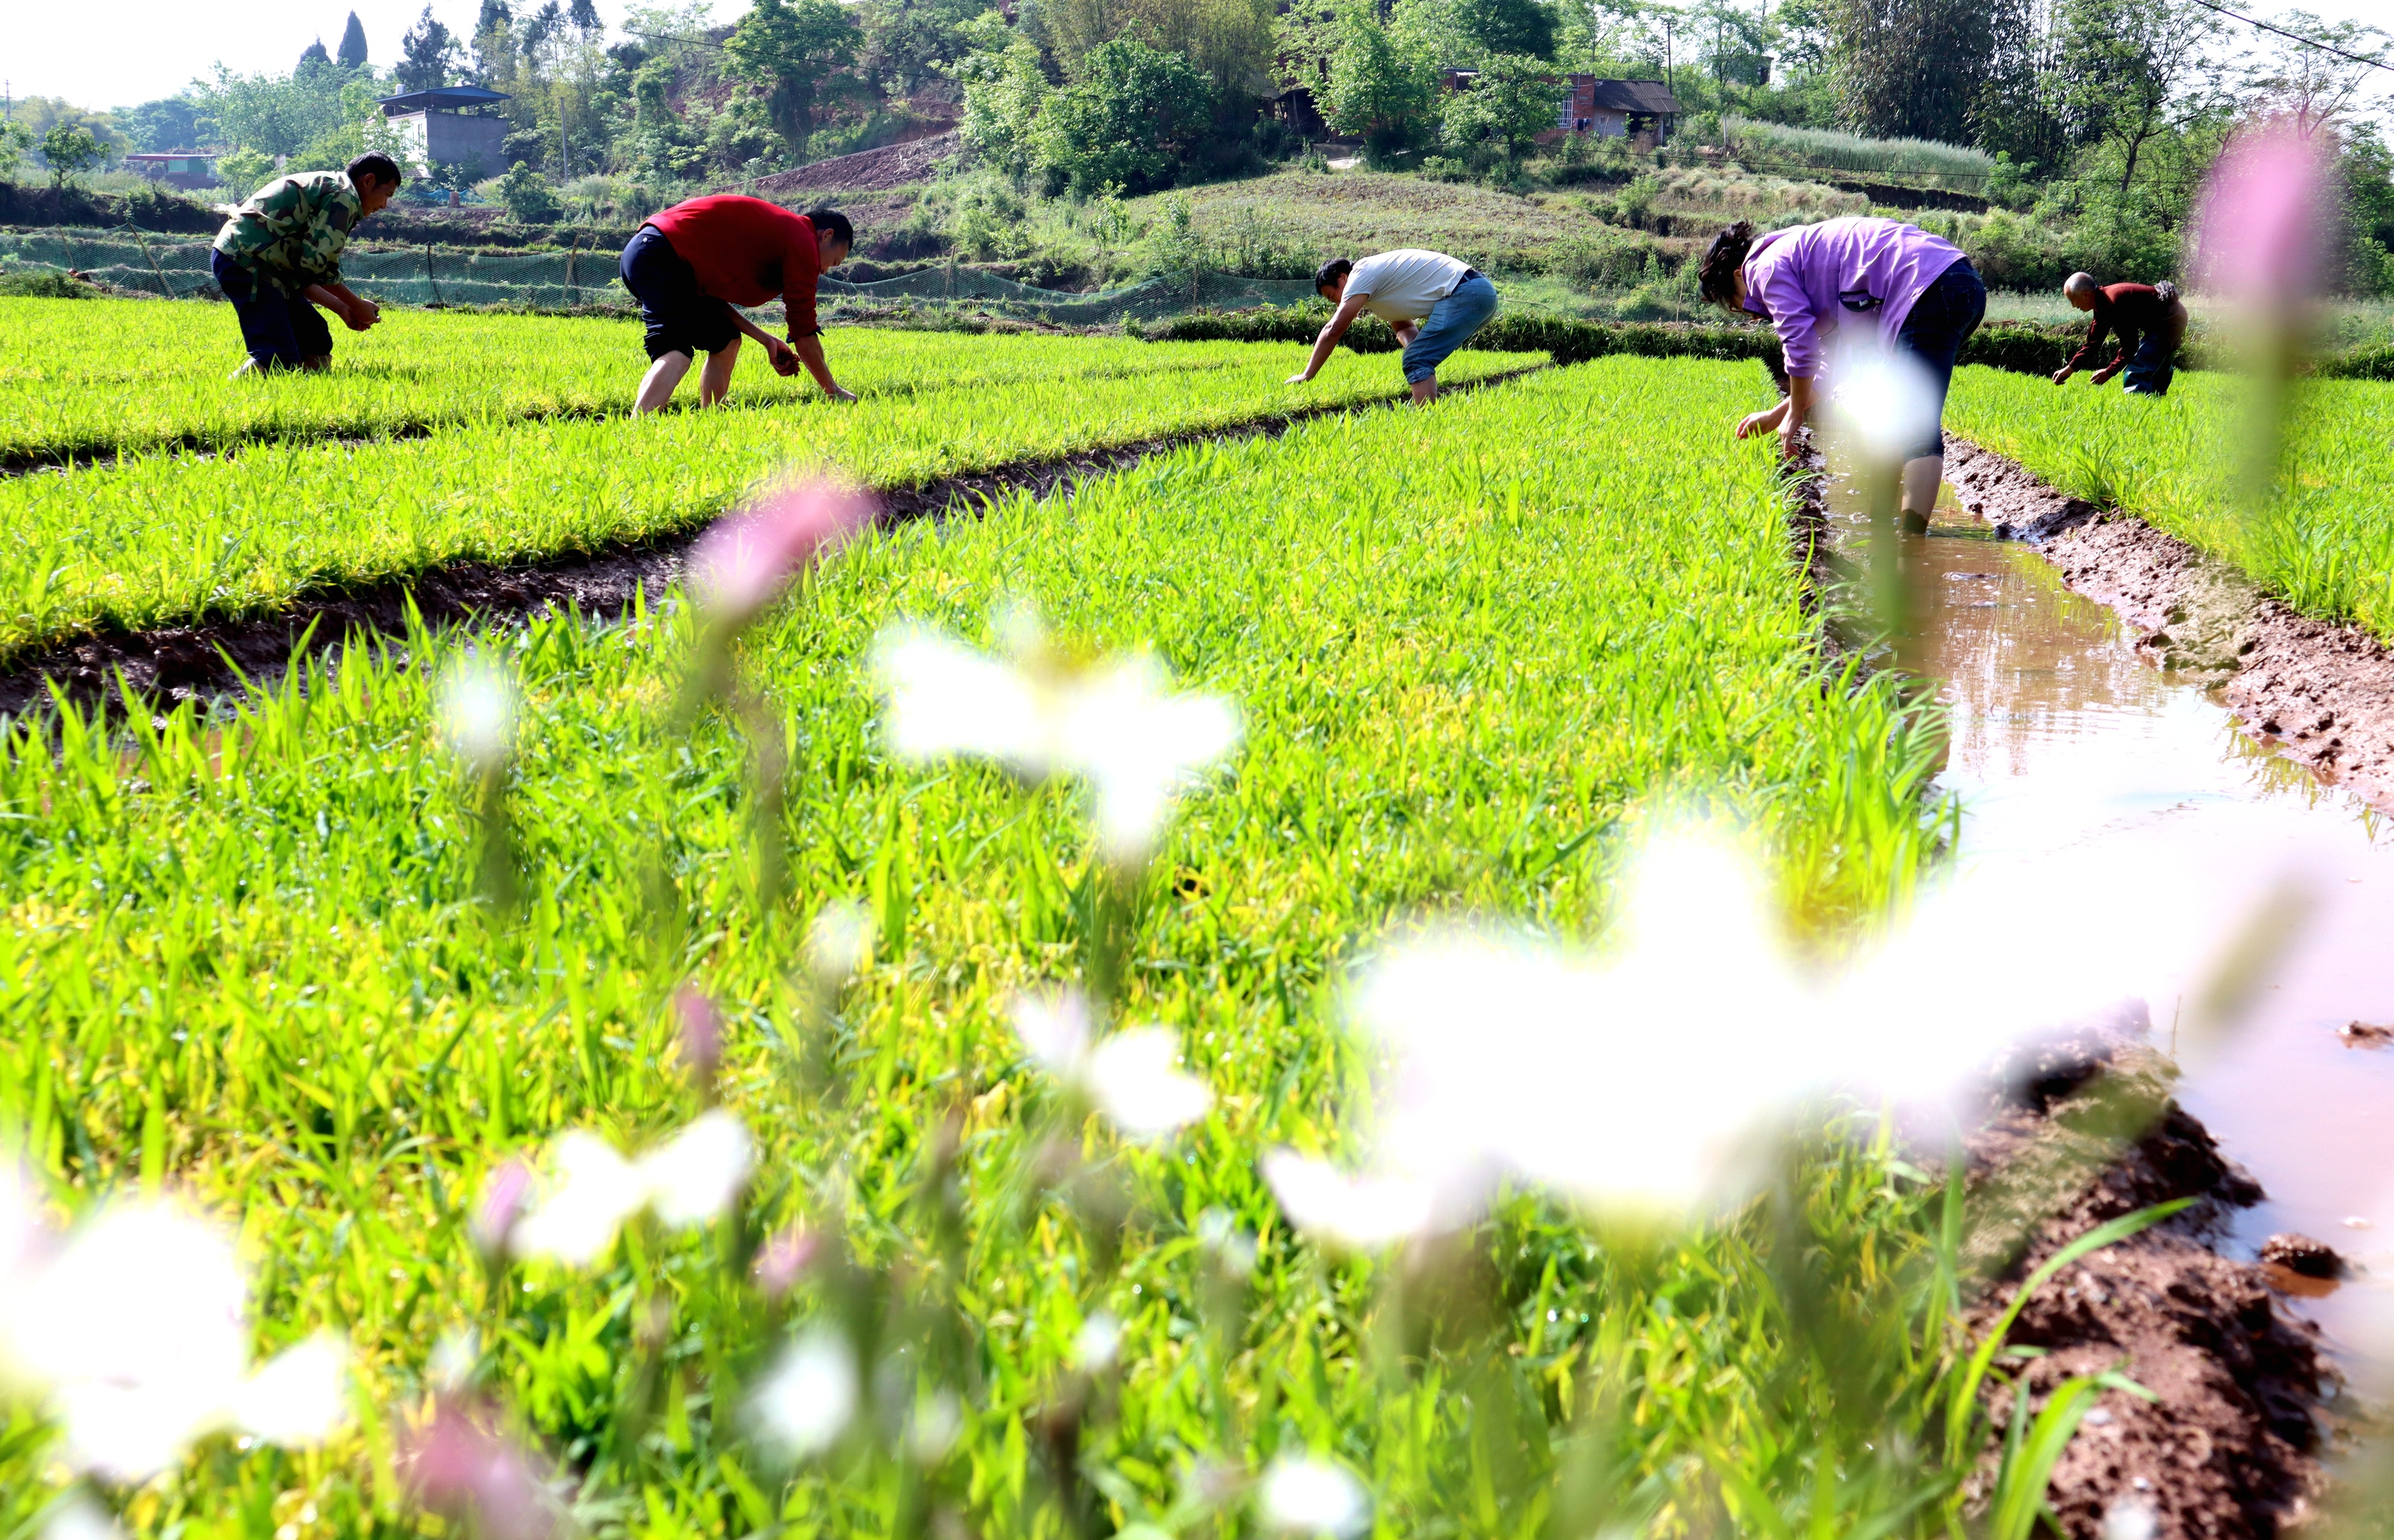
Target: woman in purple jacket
1916, 293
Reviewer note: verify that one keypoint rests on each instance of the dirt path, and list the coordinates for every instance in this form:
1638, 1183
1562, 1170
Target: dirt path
2322, 694
178, 663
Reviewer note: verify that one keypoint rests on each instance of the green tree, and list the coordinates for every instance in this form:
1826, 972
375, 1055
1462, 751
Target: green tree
244, 171
1524, 27
169, 123
1133, 115
789, 47
15, 141
1911, 69
426, 55
526, 196
1512, 102
1379, 89
313, 57
354, 44
70, 149
1003, 92
2132, 72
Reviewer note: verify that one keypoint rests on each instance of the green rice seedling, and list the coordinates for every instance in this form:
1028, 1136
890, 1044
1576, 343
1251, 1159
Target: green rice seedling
2321, 543
160, 538
119, 375
245, 958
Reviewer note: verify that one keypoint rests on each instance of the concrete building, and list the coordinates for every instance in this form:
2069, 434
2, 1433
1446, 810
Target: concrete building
1619, 109
187, 170
454, 125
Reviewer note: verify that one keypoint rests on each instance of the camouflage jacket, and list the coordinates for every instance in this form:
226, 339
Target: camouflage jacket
291, 231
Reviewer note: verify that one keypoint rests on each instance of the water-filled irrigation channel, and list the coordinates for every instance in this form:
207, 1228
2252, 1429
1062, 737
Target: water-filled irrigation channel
2066, 742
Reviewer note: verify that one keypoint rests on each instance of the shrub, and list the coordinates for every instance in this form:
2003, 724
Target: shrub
46, 283
526, 196
1133, 115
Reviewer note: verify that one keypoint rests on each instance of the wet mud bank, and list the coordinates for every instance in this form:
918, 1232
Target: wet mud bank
172, 664
2322, 694
2229, 1444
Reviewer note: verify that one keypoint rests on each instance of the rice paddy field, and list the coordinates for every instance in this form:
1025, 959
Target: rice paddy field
359, 965
2320, 539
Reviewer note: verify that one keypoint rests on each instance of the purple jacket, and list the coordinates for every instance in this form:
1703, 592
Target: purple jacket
1807, 280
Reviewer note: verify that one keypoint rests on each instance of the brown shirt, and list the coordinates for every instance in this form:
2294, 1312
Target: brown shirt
2132, 310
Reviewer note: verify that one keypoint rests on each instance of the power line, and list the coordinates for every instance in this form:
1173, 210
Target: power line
2297, 37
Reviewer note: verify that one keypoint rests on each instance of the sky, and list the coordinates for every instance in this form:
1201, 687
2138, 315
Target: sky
113, 53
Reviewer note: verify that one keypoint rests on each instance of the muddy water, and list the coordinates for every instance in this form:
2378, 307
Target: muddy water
2064, 741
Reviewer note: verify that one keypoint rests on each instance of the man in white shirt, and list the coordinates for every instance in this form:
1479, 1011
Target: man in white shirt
1433, 302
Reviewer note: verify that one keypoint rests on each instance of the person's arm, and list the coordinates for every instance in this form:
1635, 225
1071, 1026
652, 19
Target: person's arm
2129, 336
355, 312
811, 353
806, 332
1327, 342
1786, 419
786, 360
2079, 360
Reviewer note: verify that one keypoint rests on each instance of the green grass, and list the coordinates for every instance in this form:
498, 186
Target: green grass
84, 377
2324, 543
1778, 146
1471, 645
162, 537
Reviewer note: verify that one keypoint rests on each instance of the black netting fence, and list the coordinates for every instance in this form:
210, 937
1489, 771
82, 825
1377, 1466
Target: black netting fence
178, 267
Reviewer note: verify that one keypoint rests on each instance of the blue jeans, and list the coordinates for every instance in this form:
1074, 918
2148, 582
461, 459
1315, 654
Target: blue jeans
282, 331
1941, 320
2153, 365
1451, 322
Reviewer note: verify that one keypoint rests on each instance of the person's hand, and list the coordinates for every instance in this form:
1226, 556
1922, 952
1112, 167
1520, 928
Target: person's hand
2063, 374
1790, 445
362, 314
837, 394
1300, 378
783, 358
2099, 376
1759, 422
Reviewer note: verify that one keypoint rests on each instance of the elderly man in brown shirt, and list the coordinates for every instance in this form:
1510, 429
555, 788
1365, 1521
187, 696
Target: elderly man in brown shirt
2150, 321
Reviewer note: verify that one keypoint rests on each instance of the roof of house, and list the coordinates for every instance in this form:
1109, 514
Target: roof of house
1636, 96
445, 99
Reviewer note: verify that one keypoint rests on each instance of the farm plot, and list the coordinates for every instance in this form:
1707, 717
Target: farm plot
83, 377
243, 955
150, 539
2325, 544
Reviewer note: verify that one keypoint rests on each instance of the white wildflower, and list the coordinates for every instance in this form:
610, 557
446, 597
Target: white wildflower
689, 1180
1111, 725
1301, 1495
1132, 1075
807, 1400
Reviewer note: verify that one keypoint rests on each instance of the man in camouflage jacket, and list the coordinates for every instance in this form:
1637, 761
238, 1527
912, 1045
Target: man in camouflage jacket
279, 258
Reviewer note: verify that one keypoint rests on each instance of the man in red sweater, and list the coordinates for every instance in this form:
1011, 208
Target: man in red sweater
2150, 320
691, 265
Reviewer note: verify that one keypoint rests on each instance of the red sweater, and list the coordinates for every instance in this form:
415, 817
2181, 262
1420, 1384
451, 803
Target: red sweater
2132, 310
745, 250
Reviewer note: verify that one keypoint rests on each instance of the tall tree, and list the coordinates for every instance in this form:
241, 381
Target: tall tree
789, 47
2316, 88
2132, 69
494, 45
313, 54
2020, 109
354, 44
1379, 90
1523, 27
1911, 69
427, 54
585, 16
170, 123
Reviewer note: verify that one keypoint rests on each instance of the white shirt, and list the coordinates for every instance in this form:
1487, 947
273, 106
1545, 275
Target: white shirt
1403, 286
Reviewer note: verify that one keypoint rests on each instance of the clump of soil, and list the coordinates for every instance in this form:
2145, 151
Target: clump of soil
2365, 1035
2322, 694
2227, 1448
2300, 1254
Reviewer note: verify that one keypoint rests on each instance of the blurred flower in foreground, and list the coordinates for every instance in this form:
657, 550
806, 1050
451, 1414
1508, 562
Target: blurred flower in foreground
464, 1471
1654, 1082
700, 1037
507, 1192
478, 712
133, 1331
687, 1180
840, 944
1301, 1495
1881, 402
2261, 232
81, 1519
1131, 1076
1110, 723
741, 563
1099, 1343
809, 1398
784, 1258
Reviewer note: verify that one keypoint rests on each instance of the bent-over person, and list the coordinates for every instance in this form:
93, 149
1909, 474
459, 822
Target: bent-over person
692, 268
2148, 318
1433, 302
279, 258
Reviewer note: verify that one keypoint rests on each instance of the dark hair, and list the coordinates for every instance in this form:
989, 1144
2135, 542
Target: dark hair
1331, 272
1717, 276
377, 167
832, 222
